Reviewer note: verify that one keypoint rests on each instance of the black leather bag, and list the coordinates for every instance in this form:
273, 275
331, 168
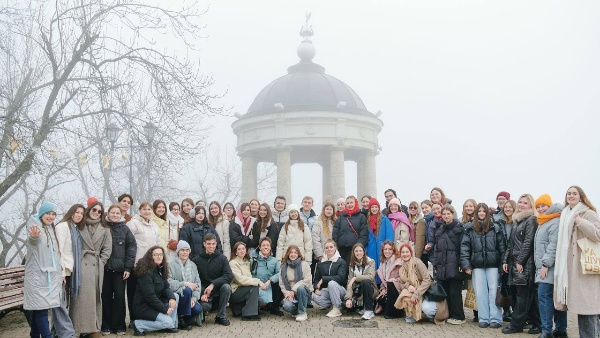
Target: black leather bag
435, 293
503, 296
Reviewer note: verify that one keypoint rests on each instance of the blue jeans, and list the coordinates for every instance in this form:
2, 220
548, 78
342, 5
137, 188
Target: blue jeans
162, 321
39, 324
300, 302
547, 311
185, 309
485, 283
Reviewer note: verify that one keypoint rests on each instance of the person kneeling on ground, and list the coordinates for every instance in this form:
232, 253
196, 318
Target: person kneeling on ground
215, 275
185, 281
295, 282
154, 304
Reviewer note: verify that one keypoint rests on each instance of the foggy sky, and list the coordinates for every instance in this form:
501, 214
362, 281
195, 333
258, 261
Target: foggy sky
477, 96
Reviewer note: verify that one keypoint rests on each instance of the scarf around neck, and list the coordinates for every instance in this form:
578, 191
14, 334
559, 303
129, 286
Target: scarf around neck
546, 217
373, 223
76, 244
297, 266
561, 275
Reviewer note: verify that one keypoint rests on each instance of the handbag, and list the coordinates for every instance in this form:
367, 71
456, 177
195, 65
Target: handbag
172, 245
590, 262
503, 296
435, 292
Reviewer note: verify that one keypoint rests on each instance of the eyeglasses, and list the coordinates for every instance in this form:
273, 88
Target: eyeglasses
96, 210
412, 208
157, 255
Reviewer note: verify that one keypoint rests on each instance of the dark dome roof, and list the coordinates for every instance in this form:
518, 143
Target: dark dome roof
306, 87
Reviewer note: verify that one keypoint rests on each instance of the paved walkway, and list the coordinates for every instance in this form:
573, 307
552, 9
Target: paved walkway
317, 325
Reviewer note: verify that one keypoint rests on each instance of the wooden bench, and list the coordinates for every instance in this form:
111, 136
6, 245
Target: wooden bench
11, 289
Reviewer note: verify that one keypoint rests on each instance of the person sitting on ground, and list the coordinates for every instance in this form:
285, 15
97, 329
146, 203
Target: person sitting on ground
330, 278
361, 289
244, 287
295, 282
154, 304
185, 281
216, 276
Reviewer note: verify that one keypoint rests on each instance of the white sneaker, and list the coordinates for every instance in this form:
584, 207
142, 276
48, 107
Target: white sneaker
453, 321
368, 315
301, 317
335, 312
410, 320
317, 306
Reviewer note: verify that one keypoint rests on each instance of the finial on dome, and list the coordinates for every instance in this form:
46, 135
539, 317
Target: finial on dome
306, 50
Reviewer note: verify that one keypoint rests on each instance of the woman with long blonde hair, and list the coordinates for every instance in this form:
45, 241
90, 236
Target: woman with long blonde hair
322, 230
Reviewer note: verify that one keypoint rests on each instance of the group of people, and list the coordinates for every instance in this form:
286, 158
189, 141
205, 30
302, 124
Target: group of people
171, 264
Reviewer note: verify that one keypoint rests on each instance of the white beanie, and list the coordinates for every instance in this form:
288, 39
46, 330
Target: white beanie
182, 245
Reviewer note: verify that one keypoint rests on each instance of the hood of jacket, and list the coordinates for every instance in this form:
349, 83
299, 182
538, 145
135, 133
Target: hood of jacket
333, 259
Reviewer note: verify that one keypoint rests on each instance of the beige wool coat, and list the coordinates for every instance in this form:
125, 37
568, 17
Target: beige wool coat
583, 295
86, 309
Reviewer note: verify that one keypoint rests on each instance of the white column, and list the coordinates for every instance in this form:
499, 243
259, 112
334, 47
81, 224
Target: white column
326, 181
249, 189
360, 178
370, 174
337, 174
284, 173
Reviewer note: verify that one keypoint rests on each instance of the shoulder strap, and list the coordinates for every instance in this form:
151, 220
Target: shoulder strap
351, 226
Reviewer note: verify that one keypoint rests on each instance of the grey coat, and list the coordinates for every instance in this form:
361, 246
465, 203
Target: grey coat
86, 309
43, 272
544, 251
179, 273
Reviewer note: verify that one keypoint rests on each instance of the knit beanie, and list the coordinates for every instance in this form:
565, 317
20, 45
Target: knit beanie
293, 207
373, 202
182, 245
395, 201
503, 194
544, 199
91, 201
45, 208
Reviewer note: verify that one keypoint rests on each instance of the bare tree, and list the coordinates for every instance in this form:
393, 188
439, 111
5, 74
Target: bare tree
66, 72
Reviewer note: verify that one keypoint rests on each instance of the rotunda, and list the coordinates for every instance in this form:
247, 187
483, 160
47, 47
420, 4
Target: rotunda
308, 116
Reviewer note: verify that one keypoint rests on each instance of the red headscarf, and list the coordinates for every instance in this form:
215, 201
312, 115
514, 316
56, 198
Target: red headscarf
408, 246
355, 210
373, 218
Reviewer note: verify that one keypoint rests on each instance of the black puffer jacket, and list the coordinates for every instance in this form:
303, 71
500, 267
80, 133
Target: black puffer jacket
520, 249
236, 235
124, 248
482, 251
194, 233
152, 296
331, 271
344, 236
446, 255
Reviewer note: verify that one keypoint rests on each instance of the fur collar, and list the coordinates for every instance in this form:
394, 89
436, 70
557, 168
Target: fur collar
522, 215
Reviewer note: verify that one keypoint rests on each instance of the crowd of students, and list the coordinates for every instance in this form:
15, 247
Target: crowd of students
172, 264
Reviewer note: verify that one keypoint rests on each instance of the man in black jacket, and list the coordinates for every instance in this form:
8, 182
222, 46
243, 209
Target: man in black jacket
215, 275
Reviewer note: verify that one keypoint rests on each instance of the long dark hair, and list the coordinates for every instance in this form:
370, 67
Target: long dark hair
87, 214
155, 206
232, 208
365, 260
264, 222
146, 263
68, 217
481, 226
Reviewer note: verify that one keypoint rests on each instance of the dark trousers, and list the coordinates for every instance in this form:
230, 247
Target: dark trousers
131, 286
425, 258
39, 324
185, 309
367, 293
390, 299
277, 296
113, 301
589, 326
453, 288
526, 307
345, 252
248, 295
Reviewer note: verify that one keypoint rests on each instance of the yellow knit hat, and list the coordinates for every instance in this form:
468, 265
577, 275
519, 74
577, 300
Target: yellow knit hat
543, 199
